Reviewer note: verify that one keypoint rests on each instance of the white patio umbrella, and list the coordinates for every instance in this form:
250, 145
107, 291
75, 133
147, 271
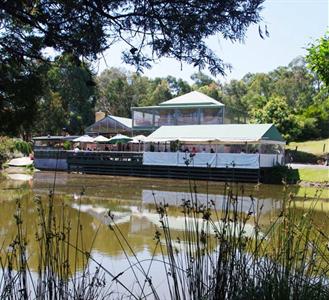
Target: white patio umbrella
101, 139
84, 139
138, 139
120, 138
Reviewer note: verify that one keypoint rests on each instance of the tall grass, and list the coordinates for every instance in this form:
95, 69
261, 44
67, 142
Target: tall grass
287, 260
223, 252
55, 277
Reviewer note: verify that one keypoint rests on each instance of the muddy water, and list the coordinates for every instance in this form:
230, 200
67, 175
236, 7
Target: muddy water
87, 200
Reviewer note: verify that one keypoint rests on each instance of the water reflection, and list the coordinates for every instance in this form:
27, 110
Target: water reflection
130, 200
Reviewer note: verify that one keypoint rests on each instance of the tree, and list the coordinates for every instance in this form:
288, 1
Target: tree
21, 88
295, 83
119, 90
212, 90
277, 111
71, 91
200, 79
178, 86
234, 93
52, 117
161, 93
315, 121
86, 28
318, 59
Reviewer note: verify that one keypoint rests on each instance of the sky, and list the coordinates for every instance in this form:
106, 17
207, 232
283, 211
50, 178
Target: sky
293, 25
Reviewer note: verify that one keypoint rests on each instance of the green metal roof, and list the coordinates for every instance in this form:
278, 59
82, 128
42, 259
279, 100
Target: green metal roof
197, 105
190, 100
221, 133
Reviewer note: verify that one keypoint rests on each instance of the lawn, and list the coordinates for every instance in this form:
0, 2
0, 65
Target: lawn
314, 147
314, 175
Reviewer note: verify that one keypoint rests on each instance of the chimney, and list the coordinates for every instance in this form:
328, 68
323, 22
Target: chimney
99, 115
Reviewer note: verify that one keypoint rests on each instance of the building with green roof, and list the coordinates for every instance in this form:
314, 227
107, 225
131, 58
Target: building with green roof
219, 134
189, 109
222, 145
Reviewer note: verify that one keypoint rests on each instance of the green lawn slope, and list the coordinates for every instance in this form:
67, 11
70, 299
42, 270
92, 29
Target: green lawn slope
318, 147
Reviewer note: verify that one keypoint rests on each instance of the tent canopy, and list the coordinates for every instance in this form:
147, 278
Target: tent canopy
138, 139
223, 133
84, 139
101, 139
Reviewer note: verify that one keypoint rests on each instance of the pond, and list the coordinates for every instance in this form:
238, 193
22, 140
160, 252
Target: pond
86, 200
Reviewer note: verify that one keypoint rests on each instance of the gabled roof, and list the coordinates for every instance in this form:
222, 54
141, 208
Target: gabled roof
123, 122
192, 98
229, 133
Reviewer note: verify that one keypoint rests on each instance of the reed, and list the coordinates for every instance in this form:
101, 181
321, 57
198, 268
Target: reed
55, 277
229, 254
221, 252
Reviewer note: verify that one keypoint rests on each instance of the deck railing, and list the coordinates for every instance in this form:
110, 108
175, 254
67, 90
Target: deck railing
215, 160
115, 157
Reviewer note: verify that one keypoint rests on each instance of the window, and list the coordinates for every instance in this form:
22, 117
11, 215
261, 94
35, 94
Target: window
167, 117
211, 116
187, 116
142, 119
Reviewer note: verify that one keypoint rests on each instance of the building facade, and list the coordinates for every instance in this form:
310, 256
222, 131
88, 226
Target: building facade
190, 109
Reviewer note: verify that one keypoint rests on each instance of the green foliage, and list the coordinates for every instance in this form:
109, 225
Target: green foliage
302, 157
119, 90
178, 30
280, 174
178, 86
67, 145
70, 98
302, 104
10, 147
316, 120
277, 111
21, 88
7, 146
317, 59
200, 79
212, 90
23, 147
159, 93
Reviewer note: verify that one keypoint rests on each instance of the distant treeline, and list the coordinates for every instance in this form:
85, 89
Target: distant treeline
63, 95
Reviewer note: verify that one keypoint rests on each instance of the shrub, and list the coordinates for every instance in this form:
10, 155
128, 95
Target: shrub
23, 147
302, 157
11, 147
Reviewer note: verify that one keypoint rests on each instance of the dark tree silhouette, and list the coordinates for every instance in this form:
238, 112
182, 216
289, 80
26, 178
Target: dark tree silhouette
150, 29
171, 28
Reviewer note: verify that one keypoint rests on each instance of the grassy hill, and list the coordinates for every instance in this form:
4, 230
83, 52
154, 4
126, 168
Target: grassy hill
319, 147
